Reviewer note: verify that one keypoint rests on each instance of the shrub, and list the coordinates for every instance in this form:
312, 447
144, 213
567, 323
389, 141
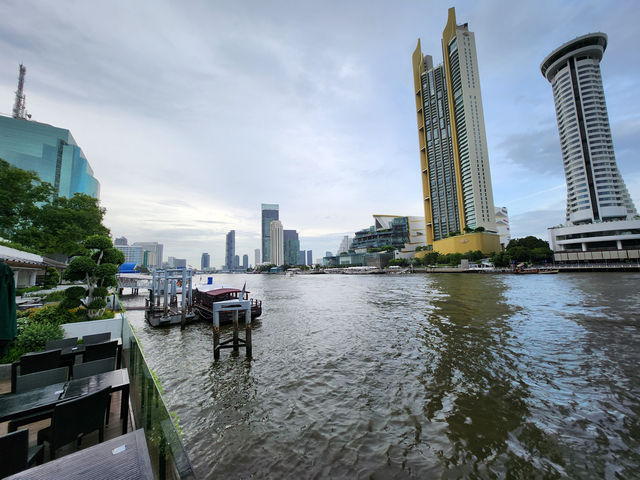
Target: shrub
52, 278
51, 314
55, 297
33, 338
21, 291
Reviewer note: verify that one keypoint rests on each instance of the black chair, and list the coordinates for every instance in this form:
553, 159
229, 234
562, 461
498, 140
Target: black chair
16, 453
62, 343
38, 361
100, 351
75, 418
34, 380
95, 367
96, 338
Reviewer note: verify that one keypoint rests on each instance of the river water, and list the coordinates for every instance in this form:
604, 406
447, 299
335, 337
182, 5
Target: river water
414, 376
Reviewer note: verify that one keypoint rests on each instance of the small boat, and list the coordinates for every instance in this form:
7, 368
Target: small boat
548, 270
204, 296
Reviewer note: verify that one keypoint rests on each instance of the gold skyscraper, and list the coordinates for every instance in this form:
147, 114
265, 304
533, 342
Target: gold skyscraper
456, 181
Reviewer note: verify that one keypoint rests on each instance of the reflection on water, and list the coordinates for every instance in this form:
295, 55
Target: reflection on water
415, 377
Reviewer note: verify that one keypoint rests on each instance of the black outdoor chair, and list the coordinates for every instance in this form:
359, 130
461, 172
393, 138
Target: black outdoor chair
62, 343
100, 351
34, 380
96, 338
75, 418
38, 361
86, 369
16, 453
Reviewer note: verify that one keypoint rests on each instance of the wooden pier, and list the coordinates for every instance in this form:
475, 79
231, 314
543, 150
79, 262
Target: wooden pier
235, 342
162, 306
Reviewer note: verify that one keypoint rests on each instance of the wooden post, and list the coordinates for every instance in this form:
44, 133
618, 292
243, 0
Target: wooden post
216, 335
166, 292
183, 320
247, 333
236, 347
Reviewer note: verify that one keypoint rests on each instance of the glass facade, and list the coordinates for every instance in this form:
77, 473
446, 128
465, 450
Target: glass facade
270, 212
291, 247
49, 151
230, 251
396, 235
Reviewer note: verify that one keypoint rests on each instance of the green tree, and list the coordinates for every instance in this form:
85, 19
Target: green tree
501, 260
20, 193
61, 225
98, 270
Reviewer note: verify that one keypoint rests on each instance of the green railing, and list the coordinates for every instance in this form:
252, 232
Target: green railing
168, 457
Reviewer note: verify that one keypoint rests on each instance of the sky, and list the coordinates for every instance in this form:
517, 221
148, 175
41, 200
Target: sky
194, 113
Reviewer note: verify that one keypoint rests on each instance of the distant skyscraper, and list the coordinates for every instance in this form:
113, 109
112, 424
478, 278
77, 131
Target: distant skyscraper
454, 160
303, 257
600, 213
230, 250
277, 243
121, 241
309, 257
258, 259
205, 261
245, 261
156, 248
236, 262
132, 253
270, 212
180, 263
291, 247
345, 244
328, 254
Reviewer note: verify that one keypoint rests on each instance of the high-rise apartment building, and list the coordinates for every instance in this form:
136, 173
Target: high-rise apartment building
309, 257
156, 248
205, 261
245, 261
121, 241
132, 253
270, 212
291, 247
600, 213
303, 257
257, 257
230, 250
276, 242
456, 180
51, 152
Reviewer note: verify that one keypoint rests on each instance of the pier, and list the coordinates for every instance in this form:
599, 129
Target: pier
162, 307
234, 307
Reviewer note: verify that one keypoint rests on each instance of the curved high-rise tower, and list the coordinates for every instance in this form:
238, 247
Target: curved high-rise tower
601, 216
595, 189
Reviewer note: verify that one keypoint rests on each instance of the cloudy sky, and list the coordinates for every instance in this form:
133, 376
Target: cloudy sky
194, 113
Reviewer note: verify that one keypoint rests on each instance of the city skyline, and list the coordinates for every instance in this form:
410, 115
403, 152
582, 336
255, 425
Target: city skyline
122, 96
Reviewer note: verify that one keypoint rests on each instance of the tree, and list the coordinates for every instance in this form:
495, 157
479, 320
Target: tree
60, 225
20, 193
501, 260
98, 270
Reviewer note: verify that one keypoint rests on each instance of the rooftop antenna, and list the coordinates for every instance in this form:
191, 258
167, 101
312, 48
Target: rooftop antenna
19, 104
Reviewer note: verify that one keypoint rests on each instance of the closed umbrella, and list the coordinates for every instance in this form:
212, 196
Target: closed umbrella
8, 323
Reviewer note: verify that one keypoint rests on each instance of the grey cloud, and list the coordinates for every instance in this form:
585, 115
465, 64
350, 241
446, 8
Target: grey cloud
538, 151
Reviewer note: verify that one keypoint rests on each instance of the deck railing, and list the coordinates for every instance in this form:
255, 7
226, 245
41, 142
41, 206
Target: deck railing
168, 456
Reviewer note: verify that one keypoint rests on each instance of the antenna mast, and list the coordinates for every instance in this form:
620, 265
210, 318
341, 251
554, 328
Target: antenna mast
19, 104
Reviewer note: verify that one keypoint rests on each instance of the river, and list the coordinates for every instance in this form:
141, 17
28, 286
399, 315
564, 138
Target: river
414, 376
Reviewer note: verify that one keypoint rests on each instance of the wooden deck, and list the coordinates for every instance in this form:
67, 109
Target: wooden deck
114, 429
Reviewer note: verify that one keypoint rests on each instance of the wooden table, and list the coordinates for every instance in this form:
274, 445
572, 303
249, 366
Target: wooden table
14, 405
105, 461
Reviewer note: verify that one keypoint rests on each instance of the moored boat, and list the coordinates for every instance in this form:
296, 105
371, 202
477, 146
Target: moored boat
204, 296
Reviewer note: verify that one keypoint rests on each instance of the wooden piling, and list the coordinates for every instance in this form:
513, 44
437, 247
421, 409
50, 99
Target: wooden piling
236, 344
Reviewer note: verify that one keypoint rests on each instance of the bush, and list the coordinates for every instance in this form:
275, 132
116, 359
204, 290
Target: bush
21, 291
75, 292
33, 338
51, 314
100, 292
55, 296
52, 278
97, 304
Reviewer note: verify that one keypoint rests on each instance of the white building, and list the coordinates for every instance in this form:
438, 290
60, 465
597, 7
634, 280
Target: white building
132, 253
154, 247
345, 245
600, 213
502, 224
277, 242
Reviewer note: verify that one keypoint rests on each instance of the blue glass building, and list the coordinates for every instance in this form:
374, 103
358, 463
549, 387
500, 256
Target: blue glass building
51, 152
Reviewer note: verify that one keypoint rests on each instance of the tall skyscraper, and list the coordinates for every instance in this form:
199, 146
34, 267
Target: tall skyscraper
309, 257
303, 257
276, 235
245, 261
270, 212
121, 241
600, 212
257, 257
230, 250
456, 181
236, 262
291, 247
205, 261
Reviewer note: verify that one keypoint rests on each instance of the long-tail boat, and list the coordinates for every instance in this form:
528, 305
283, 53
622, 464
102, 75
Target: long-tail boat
204, 297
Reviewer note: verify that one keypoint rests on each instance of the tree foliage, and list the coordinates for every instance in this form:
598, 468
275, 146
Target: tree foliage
33, 216
98, 270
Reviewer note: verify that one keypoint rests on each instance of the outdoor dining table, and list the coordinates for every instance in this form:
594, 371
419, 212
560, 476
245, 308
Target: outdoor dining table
14, 405
69, 353
124, 457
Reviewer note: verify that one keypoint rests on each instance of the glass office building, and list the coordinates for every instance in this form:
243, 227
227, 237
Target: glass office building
270, 212
51, 152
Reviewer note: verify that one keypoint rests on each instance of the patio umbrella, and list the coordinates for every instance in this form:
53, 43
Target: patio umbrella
8, 324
